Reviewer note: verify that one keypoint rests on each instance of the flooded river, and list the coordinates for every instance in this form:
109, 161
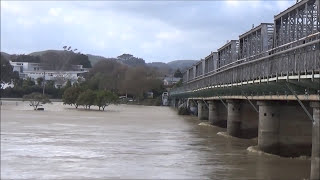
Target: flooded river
128, 142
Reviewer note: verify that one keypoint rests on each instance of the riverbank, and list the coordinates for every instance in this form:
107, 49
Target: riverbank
20, 99
146, 102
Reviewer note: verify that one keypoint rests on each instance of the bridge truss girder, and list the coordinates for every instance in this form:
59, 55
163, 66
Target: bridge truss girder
304, 87
297, 22
256, 41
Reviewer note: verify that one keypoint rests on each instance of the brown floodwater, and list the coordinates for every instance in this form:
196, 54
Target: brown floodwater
128, 142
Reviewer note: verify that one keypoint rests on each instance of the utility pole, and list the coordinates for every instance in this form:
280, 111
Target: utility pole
44, 82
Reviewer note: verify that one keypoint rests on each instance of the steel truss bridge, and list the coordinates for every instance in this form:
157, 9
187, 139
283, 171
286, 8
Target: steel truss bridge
279, 60
256, 84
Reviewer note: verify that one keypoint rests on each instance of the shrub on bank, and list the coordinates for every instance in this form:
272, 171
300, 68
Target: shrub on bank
183, 110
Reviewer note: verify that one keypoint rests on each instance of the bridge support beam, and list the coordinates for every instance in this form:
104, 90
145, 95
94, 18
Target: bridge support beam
234, 118
269, 120
315, 157
202, 111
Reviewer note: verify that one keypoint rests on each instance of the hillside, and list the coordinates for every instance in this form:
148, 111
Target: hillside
6, 55
163, 68
59, 59
40, 53
181, 64
94, 59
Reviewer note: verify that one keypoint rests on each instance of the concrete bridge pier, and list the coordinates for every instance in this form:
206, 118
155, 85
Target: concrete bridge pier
285, 129
213, 112
315, 154
234, 118
203, 111
269, 122
175, 103
217, 114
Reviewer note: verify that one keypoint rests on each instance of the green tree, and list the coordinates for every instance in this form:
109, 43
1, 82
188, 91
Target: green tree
27, 83
86, 98
39, 81
178, 74
80, 59
71, 95
6, 70
178, 84
131, 60
68, 84
36, 99
105, 98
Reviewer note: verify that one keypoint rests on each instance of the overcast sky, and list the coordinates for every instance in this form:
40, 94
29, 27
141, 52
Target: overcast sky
155, 31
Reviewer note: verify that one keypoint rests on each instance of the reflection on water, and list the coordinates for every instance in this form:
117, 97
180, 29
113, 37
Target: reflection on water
128, 142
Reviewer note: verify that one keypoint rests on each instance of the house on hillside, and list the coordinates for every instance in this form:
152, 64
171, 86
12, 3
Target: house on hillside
168, 81
36, 70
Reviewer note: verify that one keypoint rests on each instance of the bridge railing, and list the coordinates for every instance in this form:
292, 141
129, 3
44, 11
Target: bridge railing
302, 55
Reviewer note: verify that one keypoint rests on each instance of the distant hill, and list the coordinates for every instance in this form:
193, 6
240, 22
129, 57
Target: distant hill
163, 68
94, 59
61, 56
170, 67
61, 59
40, 53
181, 64
6, 55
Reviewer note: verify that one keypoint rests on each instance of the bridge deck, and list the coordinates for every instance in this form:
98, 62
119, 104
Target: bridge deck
311, 97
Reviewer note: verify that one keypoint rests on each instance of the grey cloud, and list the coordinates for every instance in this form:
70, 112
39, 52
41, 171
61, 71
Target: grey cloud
204, 26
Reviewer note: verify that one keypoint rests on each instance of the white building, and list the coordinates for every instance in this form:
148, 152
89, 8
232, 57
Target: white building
170, 81
35, 71
25, 66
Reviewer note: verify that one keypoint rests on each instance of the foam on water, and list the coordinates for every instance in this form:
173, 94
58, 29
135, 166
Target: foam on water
205, 124
225, 134
255, 149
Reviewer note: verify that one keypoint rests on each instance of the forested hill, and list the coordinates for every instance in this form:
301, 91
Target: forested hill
94, 59
181, 64
5, 55
63, 59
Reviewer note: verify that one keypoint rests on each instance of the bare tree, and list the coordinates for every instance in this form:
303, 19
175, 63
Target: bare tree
36, 99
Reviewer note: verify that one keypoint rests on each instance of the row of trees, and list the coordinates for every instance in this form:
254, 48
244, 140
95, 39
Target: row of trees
26, 86
78, 96
124, 80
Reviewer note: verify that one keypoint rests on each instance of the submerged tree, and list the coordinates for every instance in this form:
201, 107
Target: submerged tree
36, 99
86, 98
70, 96
105, 98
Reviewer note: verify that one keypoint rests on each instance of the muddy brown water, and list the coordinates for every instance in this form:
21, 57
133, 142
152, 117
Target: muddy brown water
128, 142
